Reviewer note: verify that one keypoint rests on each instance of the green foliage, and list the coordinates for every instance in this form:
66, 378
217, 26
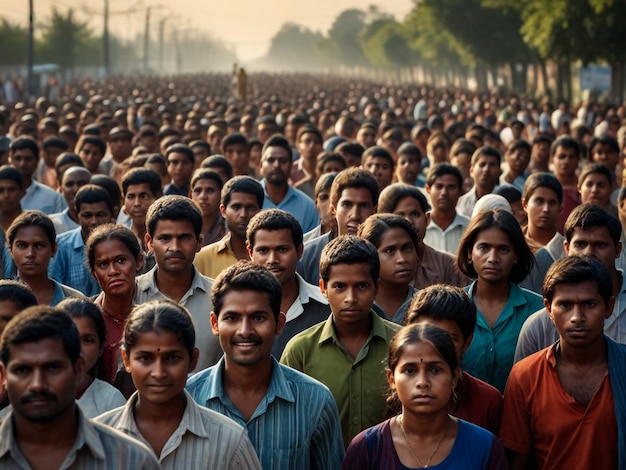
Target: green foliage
388, 46
13, 43
294, 44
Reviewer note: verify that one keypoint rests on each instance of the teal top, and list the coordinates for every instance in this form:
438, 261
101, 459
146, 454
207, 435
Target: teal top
490, 356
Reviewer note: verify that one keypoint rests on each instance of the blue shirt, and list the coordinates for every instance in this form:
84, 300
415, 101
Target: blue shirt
490, 356
69, 266
296, 425
297, 204
42, 198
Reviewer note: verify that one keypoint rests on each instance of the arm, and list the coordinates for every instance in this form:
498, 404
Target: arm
326, 444
292, 356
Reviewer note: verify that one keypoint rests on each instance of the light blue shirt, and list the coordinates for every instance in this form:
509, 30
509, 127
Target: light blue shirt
296, 425
297, 204
69, 266
490, 356
42, 198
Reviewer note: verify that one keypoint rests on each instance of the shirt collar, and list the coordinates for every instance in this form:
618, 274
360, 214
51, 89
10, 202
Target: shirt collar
308, 291
328, 330
147, 282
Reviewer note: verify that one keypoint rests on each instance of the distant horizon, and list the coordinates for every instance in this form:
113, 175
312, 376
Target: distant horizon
260, 21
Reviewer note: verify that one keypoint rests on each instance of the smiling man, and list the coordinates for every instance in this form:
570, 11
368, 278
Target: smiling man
174, 225
291, 419
564, 405
42, 367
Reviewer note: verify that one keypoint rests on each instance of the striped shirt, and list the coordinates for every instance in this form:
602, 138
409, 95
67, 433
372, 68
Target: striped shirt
296, 425
97, 447
203, 439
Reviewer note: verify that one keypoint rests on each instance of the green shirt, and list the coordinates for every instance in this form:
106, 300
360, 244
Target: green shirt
358, 385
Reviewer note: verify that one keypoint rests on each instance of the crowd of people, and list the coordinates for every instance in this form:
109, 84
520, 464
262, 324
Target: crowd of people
317, 273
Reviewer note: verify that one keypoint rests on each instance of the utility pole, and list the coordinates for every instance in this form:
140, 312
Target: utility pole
31, 49
146, 41
105, 36
161, 30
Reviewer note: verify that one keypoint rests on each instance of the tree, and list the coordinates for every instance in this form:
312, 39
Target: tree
295, 46
345, 33
13, 43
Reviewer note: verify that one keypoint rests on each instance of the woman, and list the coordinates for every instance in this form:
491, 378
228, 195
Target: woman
114, 257
494, 252
422, 370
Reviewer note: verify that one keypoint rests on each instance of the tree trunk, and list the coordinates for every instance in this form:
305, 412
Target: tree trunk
544, 76
560, 78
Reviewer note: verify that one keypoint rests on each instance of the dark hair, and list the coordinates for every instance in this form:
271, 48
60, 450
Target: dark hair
379, 152
576, 269
68, 158
411, 150
598, 169
142, 176
28, 219
506, 222
415, 334
542, 139
242, 184
156, 158
206, 174
394, 193
444, 302
160, 315
18, 292
518, 145
565, 142
180, 148
200, 144
609, 141
11, 173
351, 148
510, 192
245, 275
92, 194
326, 157
37, 323
77, 307
590, 215
542, 180
376, 225
274, 219
93, 140
442, 169
324, 183
309, 129
356, 178
349, 249
107, 232
25, 143
485, 151
55, 142
110, 186
235, 139
174, 207
278, 140
218, 161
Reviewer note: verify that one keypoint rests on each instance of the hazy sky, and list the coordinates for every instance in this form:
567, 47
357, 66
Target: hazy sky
246, 25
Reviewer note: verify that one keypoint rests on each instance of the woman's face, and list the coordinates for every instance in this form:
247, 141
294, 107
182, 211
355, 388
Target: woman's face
115, 267
398, 257
493, 255
422, 379
90, 346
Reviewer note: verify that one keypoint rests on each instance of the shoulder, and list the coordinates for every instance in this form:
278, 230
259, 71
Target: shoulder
118, 445
474, 432
483, 389
111, 417
202, 380
531, 366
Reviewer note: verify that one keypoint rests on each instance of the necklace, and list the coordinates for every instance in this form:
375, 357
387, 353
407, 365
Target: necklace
400, 420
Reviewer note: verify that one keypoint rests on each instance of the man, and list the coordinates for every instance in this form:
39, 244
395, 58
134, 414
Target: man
276, 163
540, 155
180, 164
346, 352
309, 145
379, 162
242, 198
237, 151
274, 240
446, 226
565, 155
11, 193
73, 179
45, 173
121, 145
94, 207
91, 150
353, 198
291, 419
517, 157
589, 231
174, 224
485, 169
564, 406
366, 136
24, 155
45, 428
206, 189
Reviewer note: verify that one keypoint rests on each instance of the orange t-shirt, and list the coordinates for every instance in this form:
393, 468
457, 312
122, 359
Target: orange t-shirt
541, 418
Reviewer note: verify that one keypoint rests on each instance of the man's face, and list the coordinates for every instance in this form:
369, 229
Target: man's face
8, 309
264, 132
50, 155
595, 242
91, 157
215, 139
578, 313
240, 209
596, 189
353, 207
137, 199
246, 327
10, 196
206, 193
93, 215
409, 166
71, 183
120, 149
565, 161
41, 381
275, 250
518, 160
381, 169
309, 146
276, 166
542, 208
366, 137
541, 153
239, 157
444, 193
180, 169
174, 245
486, 172
322, 202
25, 161
31, 251
607, 155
